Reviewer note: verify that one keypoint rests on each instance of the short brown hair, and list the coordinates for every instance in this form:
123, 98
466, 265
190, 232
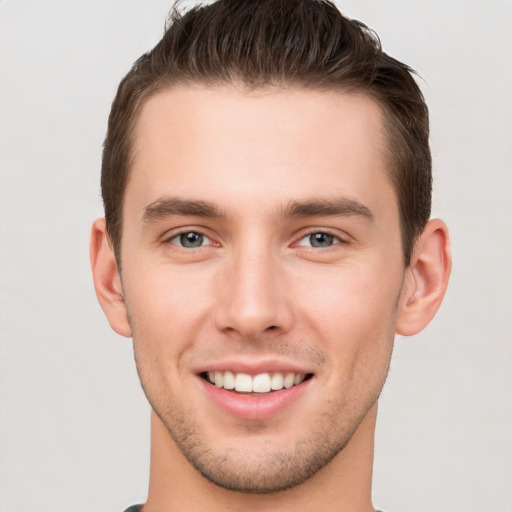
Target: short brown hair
305, 44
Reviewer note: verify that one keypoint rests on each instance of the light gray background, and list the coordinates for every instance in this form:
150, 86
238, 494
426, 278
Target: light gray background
74, 431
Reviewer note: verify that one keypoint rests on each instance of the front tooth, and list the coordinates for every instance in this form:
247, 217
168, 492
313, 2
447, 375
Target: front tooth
229, 380
218, 379
243, 383
261, 383
276, 383
288, 380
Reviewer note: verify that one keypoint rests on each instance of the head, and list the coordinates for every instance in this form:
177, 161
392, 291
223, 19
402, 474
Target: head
266, 179
291, 44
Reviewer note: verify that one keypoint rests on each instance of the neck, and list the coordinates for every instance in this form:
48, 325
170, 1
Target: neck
343, 484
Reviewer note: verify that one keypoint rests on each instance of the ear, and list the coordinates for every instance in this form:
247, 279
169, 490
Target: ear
107, 280
426, 279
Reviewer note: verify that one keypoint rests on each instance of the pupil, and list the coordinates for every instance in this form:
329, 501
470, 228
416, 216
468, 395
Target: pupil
321, 240
191, 239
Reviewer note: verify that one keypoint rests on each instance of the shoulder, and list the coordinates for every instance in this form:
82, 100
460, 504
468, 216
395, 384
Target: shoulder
134, 508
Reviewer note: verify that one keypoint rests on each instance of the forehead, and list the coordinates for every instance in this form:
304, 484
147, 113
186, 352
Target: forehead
269, 145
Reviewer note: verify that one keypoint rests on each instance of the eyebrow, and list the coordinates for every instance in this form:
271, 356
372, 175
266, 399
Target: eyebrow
340, 206
168, 206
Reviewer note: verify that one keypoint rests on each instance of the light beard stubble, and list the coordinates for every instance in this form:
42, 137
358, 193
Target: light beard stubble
281, 470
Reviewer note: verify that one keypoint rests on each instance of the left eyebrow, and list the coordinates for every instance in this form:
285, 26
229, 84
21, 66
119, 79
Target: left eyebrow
340, 206
168, 206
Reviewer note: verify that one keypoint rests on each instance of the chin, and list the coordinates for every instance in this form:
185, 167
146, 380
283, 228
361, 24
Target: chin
260, 463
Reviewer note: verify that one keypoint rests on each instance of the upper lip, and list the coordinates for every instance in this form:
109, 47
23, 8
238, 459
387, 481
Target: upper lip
253, 367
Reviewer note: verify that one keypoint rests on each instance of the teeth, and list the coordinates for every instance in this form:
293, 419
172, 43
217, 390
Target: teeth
289, 380
261, 383
243, 382
229, 380
299, 377
276, 382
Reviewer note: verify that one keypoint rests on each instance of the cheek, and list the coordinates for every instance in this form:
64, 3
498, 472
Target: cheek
166, 311
353, 314
165, 296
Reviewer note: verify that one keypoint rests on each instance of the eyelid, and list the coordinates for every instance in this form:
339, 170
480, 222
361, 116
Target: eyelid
170, 235
206, 241
341, 238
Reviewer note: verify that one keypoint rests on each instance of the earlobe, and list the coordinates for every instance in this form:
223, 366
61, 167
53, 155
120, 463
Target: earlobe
107, 280
426, 279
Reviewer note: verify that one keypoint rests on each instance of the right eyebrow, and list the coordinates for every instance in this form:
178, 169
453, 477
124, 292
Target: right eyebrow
168, 206
337, 206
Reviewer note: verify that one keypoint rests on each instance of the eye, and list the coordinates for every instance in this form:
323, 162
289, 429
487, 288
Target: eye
190, 240
319, 239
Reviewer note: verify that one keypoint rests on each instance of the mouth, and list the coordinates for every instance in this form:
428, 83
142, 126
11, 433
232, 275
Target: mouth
257, 390
255, 385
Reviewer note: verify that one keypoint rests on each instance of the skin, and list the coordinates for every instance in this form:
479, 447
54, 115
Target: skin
256, 292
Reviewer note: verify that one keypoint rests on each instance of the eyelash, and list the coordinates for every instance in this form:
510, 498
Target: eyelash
336, 240
184, 233
170, 240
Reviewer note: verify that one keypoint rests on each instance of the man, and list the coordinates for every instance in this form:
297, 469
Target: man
267, 186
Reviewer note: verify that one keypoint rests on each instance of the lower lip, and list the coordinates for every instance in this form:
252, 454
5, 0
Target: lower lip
250, 407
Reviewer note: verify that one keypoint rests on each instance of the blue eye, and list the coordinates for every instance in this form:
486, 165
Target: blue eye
190, 240
318, 240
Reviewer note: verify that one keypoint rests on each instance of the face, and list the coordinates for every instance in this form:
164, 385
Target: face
262, 272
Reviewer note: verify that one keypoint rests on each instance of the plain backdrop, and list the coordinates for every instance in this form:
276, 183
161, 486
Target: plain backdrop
74, 424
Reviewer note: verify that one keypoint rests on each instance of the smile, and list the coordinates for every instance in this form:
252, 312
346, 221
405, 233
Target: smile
260, 383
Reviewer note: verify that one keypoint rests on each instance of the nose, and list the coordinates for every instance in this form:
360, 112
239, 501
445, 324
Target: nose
254, 299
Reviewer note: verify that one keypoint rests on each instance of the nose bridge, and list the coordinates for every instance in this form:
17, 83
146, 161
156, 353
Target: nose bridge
252, 299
